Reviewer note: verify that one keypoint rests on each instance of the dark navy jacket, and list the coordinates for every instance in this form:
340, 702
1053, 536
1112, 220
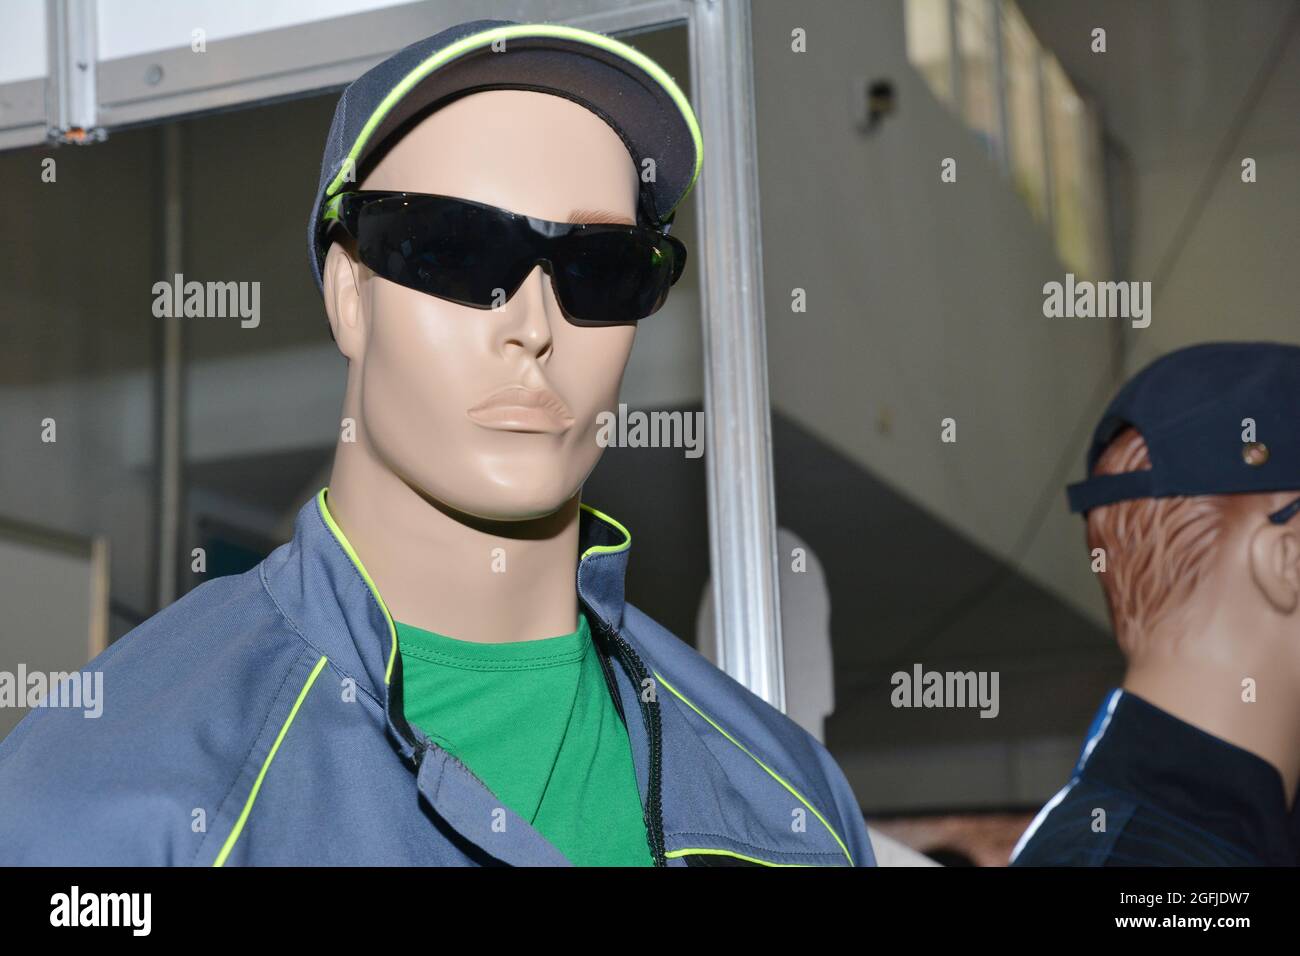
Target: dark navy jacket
258, 720
1171, 795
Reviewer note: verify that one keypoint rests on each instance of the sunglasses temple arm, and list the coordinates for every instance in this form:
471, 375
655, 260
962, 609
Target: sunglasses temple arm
1284, 515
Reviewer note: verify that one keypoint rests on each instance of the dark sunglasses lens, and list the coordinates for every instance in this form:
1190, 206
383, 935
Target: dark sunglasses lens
438, 246
615, 276
477, 256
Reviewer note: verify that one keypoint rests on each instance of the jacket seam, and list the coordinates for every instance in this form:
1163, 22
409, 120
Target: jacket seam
722, 770
731, 738
243, 764
246, 814
442, 774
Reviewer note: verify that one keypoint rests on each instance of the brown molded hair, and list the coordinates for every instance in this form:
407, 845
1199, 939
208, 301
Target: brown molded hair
1157, 549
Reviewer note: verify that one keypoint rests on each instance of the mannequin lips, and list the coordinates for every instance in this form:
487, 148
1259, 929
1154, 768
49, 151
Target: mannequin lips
518, 409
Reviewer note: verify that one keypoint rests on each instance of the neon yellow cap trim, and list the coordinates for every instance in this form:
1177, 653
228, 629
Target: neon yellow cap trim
487, 38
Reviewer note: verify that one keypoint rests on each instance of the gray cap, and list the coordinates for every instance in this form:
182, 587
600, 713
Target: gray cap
618, 83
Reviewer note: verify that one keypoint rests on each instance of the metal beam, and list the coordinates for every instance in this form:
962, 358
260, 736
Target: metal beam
72, 96
742, 514
171, 370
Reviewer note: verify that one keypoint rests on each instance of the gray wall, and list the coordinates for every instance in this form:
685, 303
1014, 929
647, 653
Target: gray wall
1190, 88
925, 301
925, 298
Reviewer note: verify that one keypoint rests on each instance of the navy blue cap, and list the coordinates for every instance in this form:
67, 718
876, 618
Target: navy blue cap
617, 82
1189, 407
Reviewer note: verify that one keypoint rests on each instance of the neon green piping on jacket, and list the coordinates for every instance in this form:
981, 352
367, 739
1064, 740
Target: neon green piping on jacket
739, 856
392, 630
365, 575
770, 771
607, 548
476, 40
266, 764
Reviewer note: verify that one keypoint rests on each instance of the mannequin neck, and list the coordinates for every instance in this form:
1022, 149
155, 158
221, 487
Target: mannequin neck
1196, 673
441, 570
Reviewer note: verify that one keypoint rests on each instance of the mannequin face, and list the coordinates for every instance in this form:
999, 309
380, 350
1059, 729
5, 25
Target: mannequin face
418, 366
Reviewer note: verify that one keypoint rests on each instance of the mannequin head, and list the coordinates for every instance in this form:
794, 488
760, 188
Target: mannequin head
1181, 568
418, 365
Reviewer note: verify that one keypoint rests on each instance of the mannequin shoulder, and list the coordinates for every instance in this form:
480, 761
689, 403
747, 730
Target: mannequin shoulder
700, 685
125, 755
777, 751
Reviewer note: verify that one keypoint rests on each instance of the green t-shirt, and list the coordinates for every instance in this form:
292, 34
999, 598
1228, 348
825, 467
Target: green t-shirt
534, 720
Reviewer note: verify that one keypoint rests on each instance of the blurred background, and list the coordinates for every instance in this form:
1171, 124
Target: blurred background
893, 300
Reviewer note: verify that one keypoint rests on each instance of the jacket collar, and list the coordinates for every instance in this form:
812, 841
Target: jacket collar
321, 585
1170, 764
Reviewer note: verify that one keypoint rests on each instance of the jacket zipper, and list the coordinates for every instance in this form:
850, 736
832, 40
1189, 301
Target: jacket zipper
611, 682
650, 714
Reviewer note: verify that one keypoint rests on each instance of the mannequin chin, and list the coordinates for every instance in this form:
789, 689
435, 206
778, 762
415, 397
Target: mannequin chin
417, 365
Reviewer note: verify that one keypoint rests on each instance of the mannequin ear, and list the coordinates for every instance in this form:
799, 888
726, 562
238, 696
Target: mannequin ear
1275, 565
341, 281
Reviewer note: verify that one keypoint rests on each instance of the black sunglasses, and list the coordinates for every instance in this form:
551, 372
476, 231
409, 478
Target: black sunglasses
478, 255
1283, 515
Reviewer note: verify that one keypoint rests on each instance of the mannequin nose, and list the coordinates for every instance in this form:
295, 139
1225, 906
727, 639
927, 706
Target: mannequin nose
530, 311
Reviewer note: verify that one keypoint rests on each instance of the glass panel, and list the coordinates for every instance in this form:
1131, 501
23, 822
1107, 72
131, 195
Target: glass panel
1077, 205
1020, 53
929, 46
979, 82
